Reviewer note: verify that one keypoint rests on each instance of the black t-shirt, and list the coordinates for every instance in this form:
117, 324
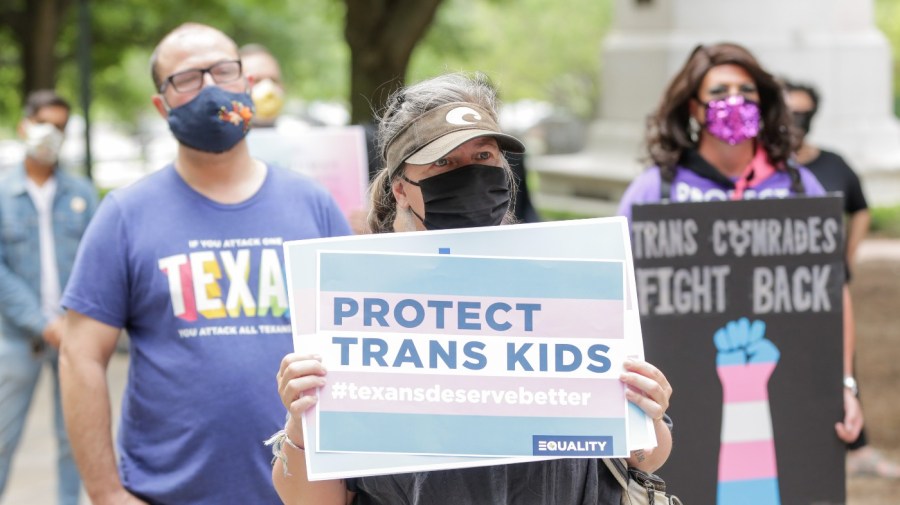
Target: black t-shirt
836, 175
551, 482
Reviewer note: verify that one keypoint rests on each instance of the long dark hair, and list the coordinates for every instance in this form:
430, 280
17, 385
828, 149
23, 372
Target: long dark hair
668, 134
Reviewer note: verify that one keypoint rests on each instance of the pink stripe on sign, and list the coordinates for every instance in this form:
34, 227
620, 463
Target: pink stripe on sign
472, 395
745, 383
303, 312
557, 317
747, 460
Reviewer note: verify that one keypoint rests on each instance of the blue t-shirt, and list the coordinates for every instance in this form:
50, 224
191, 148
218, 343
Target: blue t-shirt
200, 288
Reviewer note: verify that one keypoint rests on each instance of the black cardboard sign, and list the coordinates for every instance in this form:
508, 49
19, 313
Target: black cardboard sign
744, 299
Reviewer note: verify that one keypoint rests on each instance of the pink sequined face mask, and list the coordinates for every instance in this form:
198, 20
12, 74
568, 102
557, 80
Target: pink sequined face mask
733, 119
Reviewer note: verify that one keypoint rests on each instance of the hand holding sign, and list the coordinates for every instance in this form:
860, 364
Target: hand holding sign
298, 378
648, 388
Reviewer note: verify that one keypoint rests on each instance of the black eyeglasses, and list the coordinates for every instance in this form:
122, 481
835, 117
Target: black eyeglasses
192, 80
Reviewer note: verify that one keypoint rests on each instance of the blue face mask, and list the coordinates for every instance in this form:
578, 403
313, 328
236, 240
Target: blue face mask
214, 121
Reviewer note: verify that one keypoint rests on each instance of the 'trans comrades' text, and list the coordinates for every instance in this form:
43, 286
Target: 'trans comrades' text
669, 290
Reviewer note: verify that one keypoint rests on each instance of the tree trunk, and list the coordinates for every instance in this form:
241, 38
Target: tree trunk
382, 35
37, 39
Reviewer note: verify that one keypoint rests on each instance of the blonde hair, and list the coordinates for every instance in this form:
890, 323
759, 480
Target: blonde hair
405, 106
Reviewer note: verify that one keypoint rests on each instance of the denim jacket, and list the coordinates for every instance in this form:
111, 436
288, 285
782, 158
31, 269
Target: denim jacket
20, 258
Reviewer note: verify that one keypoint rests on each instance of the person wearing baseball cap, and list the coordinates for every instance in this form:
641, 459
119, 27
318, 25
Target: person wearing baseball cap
444, 168
443, 159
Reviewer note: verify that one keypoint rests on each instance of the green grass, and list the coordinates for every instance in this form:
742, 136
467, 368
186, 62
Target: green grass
886, 221
561, 215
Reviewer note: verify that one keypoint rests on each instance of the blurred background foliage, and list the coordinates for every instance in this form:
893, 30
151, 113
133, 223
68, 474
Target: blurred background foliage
887, 17
547, 51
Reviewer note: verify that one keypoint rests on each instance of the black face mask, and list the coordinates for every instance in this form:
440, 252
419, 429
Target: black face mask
803, 120
467, 197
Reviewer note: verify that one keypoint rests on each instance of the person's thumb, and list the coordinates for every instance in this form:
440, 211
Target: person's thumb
843, 433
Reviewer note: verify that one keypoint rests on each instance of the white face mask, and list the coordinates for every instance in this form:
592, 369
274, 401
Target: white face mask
43, 142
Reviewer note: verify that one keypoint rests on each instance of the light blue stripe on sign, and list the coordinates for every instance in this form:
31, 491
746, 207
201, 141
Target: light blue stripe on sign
460, 435
749, 492
457, 275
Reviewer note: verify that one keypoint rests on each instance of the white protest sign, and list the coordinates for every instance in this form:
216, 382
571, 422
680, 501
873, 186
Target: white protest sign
521, 355
600, 238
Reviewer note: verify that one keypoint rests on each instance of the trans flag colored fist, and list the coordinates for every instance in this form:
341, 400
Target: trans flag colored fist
748, 473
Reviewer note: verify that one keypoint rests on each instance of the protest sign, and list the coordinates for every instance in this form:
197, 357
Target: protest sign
335, 156
519, 356
604, 239
741, 306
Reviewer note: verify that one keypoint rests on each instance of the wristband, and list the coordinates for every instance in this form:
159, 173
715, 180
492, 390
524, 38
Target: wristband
291, 443
850, 383
278, 441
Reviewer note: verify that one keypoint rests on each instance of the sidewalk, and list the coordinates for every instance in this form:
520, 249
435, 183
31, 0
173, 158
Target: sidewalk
33, 477
874, 249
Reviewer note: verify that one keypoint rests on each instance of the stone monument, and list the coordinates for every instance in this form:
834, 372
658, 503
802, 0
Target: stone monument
832, 44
